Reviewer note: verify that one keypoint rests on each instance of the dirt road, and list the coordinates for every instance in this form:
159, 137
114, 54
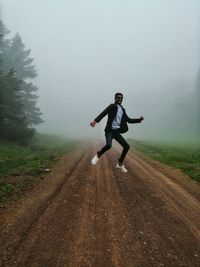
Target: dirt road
84, 215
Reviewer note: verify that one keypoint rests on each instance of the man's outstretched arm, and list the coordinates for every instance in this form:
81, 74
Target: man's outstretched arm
137, 120
101, 115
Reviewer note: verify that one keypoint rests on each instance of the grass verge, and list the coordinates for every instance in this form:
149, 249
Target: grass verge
183, 156
20, 166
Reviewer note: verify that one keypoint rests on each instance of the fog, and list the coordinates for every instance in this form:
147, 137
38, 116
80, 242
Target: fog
85, 51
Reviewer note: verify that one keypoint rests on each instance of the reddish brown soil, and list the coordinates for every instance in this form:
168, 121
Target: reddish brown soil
84, 215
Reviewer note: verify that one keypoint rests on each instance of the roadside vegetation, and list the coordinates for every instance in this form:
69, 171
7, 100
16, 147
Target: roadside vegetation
21, 166
184, 156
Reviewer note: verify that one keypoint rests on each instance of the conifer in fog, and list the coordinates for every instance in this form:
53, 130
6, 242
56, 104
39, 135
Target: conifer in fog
18, 98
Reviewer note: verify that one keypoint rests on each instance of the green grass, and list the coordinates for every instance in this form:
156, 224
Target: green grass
32, 160
184, 156
19, 161
5, 191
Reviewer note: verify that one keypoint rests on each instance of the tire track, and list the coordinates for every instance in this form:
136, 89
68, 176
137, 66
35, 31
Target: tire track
57, 226
185, 205
154, 220
9, 241
98, 216
91, 246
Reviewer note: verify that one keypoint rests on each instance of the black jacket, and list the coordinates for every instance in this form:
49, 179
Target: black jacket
111, 111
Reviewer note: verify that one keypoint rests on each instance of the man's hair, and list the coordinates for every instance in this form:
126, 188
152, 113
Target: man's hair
118, 94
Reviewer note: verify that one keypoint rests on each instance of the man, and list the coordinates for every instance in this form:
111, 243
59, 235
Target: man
116, 125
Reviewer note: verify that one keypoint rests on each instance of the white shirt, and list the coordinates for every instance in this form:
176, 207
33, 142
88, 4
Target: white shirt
117, 120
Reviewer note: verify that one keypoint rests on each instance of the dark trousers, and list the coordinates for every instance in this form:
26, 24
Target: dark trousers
120, 139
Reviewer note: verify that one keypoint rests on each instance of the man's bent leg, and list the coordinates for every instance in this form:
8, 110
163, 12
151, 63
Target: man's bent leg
109, 137
120, 139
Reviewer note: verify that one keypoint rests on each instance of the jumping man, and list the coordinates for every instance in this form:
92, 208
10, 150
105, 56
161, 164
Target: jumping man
116, 125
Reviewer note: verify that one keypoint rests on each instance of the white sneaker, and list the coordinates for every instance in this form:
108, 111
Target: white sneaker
122, 167
94, 160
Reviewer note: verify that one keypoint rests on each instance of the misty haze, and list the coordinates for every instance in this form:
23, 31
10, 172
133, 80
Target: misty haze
99, 133
85, 51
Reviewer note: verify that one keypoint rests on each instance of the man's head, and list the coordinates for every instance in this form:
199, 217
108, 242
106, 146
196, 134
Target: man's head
118, 98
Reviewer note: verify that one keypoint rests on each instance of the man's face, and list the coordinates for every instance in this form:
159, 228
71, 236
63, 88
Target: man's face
118, 99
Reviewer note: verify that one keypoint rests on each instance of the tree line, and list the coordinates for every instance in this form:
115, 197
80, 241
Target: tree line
19, 112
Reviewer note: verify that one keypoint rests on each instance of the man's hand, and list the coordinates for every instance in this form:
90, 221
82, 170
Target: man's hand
141, 118
92, 123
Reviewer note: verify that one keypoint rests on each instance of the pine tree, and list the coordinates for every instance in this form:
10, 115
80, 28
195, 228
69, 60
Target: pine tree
13, 121
4, 45
29, 98
1, 101
18, 111
22, 63
15, 57
19, 59
198, 100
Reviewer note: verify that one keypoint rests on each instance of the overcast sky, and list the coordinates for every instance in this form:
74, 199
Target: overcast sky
85, 51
